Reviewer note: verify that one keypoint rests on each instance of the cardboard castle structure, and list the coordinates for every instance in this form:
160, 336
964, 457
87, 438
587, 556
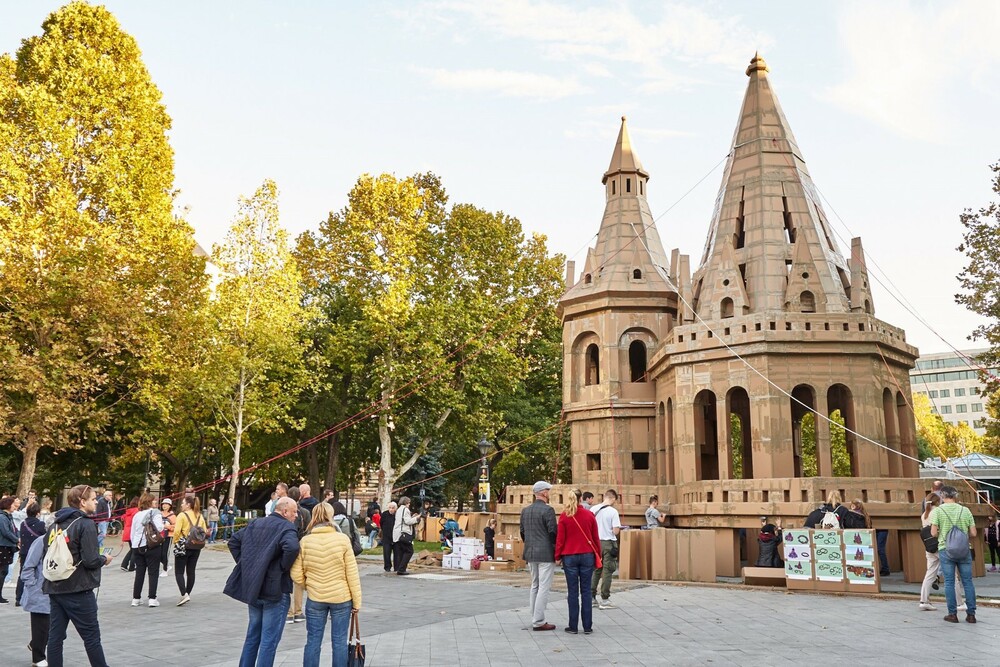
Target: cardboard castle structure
660, 364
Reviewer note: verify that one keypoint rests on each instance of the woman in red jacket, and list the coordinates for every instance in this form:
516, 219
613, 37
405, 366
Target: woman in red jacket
130, 511
577, 546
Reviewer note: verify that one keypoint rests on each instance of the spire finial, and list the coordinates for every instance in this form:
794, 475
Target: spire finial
757, 64
623, 119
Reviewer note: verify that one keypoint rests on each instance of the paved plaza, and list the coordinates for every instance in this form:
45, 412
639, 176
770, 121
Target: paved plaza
441, 618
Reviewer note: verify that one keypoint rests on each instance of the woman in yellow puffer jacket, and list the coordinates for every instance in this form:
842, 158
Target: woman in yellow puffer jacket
327, 568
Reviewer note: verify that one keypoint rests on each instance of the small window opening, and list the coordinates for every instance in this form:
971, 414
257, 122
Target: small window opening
826, 326
772, 326
756, 326
789, 228
637, 360
640, 461
628, 185
637, 274
743, 274
788, 326
861, 326
807, 302
741, 235
727, 307
593, 365
612, 187
727, 331
809, 326
588, 279
593, 461
640, 187
847, 327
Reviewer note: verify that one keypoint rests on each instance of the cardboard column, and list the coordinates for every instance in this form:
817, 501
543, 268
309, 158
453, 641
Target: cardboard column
727, 552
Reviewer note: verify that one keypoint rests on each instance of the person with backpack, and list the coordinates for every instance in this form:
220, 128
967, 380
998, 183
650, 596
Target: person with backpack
169, 519
8, 541
933, 561
992, 538
346, 525
34, 601
190, 537
830, 516
327, 569
953, 525
31, 529
146, 538
609, 526
72, 570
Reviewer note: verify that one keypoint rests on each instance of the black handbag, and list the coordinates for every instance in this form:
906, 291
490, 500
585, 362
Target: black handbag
355, 649
930, 541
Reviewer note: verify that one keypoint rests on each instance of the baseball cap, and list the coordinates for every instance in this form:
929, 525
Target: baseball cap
167, 501
540, 486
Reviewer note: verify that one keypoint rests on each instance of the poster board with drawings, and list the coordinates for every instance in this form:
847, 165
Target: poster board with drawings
831, 560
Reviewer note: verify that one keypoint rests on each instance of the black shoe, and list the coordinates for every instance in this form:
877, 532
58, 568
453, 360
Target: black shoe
587, 632
402, 574
3, 601
570, 630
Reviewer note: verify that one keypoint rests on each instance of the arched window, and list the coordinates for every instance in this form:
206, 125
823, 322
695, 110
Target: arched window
612, 187
807, 302
868, 306
593, 365
727, 307
637, 360
637, 274
588, 279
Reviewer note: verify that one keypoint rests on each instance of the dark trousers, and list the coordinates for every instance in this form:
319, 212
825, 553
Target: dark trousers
19, 589
994, 552
127, 562
147, 564
881, 539
165, 554
387, 551
403, 553
81, 609
4, 571
184, 570
39, 636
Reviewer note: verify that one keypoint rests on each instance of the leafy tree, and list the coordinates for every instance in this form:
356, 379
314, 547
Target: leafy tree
838, 446
444, 295
95, 267
258, 317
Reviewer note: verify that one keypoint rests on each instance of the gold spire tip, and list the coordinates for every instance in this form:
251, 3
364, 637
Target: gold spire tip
757, 64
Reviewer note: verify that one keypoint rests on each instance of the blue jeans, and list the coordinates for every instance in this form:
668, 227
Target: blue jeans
227, 531
213, 527
267, 622
340, 619
965, 571
102, 531
579, 568
81, 609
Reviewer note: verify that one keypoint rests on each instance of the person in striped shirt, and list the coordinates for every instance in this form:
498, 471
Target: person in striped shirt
950, 514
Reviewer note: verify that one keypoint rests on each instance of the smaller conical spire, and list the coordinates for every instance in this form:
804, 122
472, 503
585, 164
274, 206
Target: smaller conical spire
624, 158
757, 64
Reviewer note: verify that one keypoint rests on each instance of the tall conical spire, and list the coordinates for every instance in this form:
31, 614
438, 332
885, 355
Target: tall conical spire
624, 159
628, 255
769, 216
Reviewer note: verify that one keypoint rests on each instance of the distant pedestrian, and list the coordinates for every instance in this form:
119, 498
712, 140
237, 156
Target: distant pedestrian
769, 544
227, 515
954, 555
654, 517
830, 515
538, 532
264, 552
328, 570
186, 555
46, 514
35, 601
329, 496
280, 491
306, 498
31, 529
489, 537
577, 546
587, 500
302, 518
133, 508
146, 559
212, 516
403, 534
993, 540
103, 515
387, 524
169, 519
609, 525
8, 540
73, 599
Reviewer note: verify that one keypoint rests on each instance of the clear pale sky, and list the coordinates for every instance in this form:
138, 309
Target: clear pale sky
516, 106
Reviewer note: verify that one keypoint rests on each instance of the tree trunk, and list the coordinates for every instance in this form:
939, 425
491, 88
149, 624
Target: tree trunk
27, 476
332, 463
387, 476
238, 440
312, 461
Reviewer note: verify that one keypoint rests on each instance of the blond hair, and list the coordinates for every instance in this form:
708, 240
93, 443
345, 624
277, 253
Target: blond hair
833, 499
572, 502
321, 514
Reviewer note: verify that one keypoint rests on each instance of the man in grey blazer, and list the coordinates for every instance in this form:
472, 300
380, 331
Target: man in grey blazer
538, 532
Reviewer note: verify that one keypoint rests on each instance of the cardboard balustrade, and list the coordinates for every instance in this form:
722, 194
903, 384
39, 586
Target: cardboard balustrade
667, 554
831, 560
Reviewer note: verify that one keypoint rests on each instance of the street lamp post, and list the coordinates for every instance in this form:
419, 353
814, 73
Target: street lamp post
484, 474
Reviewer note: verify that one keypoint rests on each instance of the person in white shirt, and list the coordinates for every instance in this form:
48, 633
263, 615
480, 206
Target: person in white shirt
146, 558
609, 525
402, 535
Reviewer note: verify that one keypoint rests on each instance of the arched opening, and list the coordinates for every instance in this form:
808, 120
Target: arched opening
636, 274
706, 436
843, 444
868, 306
588, 279
803, 402
807, 302
726, 307
593, 365
740, 432
612, 187
637, 360
671, 466
891, 433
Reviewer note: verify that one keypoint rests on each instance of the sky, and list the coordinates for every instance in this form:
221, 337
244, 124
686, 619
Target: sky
516, 106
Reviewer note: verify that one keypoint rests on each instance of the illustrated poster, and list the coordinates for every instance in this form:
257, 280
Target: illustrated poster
825, 538
829, 571
829, 554
797, 551
798, 569
859, 555
860, 573
858, 538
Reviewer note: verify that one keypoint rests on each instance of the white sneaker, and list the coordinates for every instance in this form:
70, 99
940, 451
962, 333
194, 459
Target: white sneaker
153, 602
164, 573
606, 604
962, 607
927, 606
43, 663
136, 602
184, 600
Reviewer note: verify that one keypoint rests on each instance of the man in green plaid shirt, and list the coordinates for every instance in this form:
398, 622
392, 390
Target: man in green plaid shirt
950, 514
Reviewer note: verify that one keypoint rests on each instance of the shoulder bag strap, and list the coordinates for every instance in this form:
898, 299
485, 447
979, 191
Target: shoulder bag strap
586, 537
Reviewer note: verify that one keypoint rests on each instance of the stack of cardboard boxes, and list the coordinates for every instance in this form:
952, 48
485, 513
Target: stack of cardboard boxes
463, 551
509, 548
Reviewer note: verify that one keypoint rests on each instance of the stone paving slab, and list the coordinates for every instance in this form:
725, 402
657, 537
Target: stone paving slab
412, 621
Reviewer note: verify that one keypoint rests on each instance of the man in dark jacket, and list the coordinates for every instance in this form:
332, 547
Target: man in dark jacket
264, 552
538, 532
306, 499
388, 523
73, 599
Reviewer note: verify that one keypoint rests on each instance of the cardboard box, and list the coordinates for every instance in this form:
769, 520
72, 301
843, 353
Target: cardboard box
465, 563
451, 561
499, 566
